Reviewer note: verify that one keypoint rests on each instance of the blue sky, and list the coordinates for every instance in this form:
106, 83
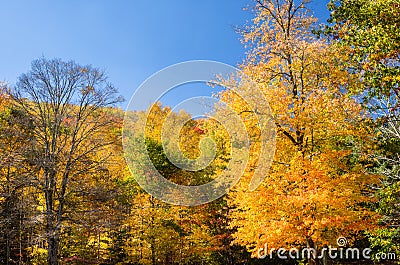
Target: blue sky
131, 40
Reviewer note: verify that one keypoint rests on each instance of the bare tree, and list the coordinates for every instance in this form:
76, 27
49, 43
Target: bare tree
68, 104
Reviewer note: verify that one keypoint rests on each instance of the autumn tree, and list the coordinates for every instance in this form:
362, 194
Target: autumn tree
371, 33
317, 188
67, 105
369, 30
17, 202
385, 239
87, 234
158, 232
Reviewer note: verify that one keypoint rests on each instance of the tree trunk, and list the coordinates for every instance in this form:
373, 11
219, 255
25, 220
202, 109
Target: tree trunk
52, 251
152, 238
325, 259
7, 247
51, 222
312, 258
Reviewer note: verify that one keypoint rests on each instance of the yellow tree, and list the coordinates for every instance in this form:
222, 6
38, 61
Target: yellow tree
317, 187
17, 203
158, 232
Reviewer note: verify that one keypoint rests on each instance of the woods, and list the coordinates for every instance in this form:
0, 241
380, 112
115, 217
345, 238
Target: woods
68, 196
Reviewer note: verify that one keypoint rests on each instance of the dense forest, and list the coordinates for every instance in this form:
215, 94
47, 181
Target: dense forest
68, 196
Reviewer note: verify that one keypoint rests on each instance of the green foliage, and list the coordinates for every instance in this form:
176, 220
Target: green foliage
372, 31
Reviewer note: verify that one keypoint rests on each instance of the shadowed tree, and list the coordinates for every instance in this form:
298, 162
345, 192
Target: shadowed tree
16, 206
67, 105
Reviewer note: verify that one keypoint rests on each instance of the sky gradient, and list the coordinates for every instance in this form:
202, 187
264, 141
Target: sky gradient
131, 40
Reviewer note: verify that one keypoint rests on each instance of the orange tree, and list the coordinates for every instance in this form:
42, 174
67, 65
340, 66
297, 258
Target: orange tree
317, 188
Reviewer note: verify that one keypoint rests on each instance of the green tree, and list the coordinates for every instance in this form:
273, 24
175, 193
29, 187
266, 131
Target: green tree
160, 233
370, 32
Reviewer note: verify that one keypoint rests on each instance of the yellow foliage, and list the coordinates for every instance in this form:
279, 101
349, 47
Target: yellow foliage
317, 187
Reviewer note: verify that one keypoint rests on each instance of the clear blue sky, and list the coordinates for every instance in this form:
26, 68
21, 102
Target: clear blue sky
129, 39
